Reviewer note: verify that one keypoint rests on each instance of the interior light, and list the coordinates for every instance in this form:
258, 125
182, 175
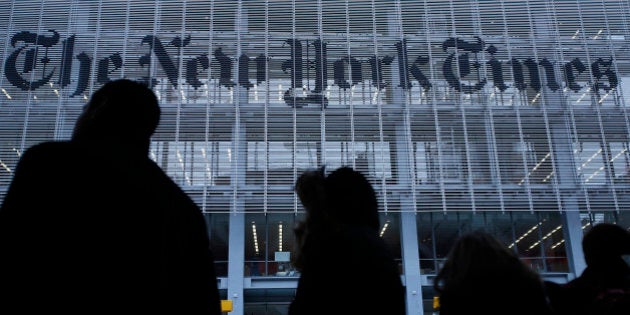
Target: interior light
535, 167
532, 229
384, 228
601, 100
255, 236
554, 246
576, 34
545, 237
535, 98
5, 167
590, 159
256, 92
557, 244
280, 236
6, 93
594, 174
279, 92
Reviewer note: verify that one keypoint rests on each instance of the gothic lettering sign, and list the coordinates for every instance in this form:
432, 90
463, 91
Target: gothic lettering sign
461, 66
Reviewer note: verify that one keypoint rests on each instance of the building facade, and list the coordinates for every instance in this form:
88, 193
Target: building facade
503, 115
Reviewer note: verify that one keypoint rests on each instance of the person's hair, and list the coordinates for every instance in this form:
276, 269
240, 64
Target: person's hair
344, 197
605, 242
478, 257
351, 199
309, 188
122, 109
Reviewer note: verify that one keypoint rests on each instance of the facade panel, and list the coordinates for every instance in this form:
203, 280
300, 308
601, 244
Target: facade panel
504, 115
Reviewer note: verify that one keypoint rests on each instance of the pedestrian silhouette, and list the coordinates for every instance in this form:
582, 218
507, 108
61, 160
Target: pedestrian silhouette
310, 190
346, 268
603, 288
482, 276
93, 226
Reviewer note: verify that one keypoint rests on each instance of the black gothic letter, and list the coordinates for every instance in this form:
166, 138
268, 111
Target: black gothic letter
602, 68
165, 61
10, 66
570, 76
261, 69
191, 70
377, 70
102, 75
550, 74
66, 61
225, 68
464, 64
243, 72
85, 62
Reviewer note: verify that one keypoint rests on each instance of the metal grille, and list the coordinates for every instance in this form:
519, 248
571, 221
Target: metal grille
455, 105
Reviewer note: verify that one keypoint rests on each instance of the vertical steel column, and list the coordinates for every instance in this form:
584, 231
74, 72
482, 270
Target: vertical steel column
236, 255
567, 179
411, 259
403, 164
408, 228
572, 226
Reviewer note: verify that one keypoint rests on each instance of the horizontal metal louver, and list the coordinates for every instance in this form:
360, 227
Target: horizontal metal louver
449, 107
465, 105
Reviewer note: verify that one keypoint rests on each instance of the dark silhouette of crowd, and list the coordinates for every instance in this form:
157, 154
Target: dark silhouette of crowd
482, 276
339, 252
346, 268
92, 225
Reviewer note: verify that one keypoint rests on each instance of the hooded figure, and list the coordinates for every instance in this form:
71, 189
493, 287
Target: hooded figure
346, 268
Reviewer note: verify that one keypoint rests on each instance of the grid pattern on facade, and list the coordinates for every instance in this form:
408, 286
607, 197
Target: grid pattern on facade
467, 105
505, 115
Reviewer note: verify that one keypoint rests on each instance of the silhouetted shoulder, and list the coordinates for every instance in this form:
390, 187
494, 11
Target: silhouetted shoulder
35, 167
45, 151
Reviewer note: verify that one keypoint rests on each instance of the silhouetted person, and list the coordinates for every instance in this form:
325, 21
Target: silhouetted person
310, 190
93, 226
603, 288
482, 276
346, 268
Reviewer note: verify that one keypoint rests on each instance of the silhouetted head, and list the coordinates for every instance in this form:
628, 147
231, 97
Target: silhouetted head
476, 256
121, 112
481, 273
351, 198
310, 189
605, 242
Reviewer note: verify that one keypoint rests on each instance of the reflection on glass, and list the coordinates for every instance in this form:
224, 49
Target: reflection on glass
536, 237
